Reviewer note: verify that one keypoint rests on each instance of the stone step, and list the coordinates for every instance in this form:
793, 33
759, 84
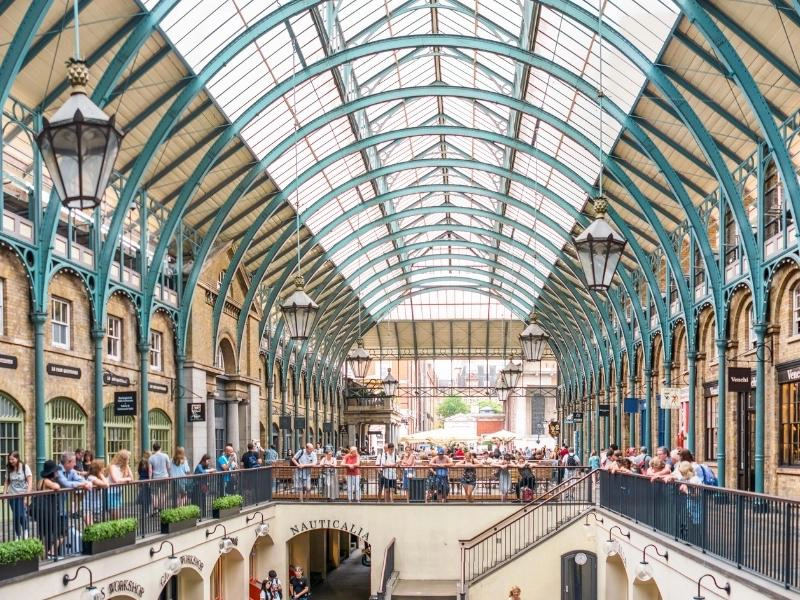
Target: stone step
414, 589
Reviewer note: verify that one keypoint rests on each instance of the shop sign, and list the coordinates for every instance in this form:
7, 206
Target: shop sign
671, 397
125, 586
299, 422
343, 430
192, 560
124, 403
285, 423
114, 379
341, 525
554, 429
633, 405
577, 417
327, 427
788, 374
158, 388
739, 379
7, 361
712, 389
63, 371
196, 412
604, 410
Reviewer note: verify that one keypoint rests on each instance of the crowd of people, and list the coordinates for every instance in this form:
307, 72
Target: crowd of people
678, 464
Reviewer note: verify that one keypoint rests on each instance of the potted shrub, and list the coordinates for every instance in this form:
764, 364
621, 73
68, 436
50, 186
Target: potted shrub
20, 557
180, 518
226, 506
109, 535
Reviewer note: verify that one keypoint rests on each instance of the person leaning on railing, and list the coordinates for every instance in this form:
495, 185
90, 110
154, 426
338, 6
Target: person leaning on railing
19, 480
118, 473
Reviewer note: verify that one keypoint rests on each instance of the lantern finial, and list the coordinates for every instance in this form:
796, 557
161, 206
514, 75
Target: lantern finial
600, 206
78, 75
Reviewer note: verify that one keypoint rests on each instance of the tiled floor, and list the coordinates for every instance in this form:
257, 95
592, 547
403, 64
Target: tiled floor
349, 582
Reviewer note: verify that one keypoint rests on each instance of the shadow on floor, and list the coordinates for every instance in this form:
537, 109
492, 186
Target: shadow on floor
349, 582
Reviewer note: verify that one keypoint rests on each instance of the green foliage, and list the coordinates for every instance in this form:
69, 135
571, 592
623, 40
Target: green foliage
223, 502
494, 405
20, 550
452, 405
182, 513
108, 530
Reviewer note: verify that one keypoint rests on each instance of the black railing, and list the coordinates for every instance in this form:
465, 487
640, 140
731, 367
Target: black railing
386, 570
522, 530
755, 532
59, 518
422, 483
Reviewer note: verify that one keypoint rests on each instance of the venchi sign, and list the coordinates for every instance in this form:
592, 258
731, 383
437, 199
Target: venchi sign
330, 524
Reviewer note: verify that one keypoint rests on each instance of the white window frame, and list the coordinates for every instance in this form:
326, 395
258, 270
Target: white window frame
2, 306
155, 350
751, 331
796, 310
114, 338
63, 305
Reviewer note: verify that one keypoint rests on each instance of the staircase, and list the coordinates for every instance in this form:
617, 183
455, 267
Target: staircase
523, 530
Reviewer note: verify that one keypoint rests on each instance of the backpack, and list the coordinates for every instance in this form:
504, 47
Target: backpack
527, 494
708, 476
572, 461
250, 460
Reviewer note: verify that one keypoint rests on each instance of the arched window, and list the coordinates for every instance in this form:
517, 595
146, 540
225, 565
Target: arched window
119, 432
65, 427
160, 429
795, 324
11, 430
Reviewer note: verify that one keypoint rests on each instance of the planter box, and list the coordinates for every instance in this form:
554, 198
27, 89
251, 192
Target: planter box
112, 544
22, 567
178, 526
225, 513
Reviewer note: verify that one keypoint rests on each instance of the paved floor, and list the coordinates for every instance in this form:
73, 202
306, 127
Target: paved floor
349, 582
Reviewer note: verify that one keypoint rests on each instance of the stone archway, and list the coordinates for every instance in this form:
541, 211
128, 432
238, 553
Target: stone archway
616, 579
186, 584
646, 590
228, 578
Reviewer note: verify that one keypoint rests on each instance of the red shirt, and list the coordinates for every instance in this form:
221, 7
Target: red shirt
350, 459
459, 453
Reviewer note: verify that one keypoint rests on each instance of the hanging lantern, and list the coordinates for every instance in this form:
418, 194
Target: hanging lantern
511, 374
359, 360
79, 145
390, 384
533, 339
299, 311
599, 247
502, 388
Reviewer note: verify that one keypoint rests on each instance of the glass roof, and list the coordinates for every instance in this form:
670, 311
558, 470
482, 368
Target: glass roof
369, 253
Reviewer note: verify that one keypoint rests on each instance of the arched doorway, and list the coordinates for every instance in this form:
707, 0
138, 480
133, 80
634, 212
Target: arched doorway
645, 590
616, 579
228, 577
260, 561
579, 576
186, 585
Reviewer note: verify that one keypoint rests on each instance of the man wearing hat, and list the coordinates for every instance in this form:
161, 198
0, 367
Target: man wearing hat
440, 469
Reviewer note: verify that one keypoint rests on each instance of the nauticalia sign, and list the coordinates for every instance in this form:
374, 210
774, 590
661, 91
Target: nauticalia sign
330, 524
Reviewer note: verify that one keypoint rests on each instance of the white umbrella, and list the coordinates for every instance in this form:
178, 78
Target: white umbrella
503, 436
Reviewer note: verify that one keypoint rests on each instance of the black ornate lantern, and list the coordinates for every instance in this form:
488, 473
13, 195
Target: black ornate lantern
359, 360
599, 247
299, 311
79, 145
502, 388
390, 384
533, 339
511, 374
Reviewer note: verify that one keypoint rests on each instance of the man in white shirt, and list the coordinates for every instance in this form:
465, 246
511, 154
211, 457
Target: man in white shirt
159, 469
303, 461
388, 482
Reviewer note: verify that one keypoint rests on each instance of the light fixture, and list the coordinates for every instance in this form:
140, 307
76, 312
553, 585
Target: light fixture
389, 384
533, 339
725, 588
172, 564
80, 143
611, 546
90, 592
502, 389
511, 374
589, 531
644, 570
262, 528
600, 245
299, 310
227, 543
359, 360
581, 559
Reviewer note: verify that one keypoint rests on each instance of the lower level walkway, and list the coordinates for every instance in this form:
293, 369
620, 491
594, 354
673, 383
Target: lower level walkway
349, 582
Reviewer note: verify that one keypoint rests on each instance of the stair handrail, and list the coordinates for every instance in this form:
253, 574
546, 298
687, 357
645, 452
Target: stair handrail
386, 569
512, 519
516, 515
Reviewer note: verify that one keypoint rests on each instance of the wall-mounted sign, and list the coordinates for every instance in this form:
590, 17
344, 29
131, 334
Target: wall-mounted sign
196, 412
285, 423
299, 422
343, 430
158, 388
124, 403
341, 525
125, 586
604, 410
577, 417
554, 428
186, 559
7, 361
632, 405
711, 389
789, 372
63, 371
671, 397
739, 379
327, 427
114, 379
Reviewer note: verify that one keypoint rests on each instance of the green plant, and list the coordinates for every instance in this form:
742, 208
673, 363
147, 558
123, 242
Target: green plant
108, 530
224, 502
20, 550
182, 513
452, 405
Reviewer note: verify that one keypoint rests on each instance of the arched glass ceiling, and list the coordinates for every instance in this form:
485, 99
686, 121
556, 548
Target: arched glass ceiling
199, 30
